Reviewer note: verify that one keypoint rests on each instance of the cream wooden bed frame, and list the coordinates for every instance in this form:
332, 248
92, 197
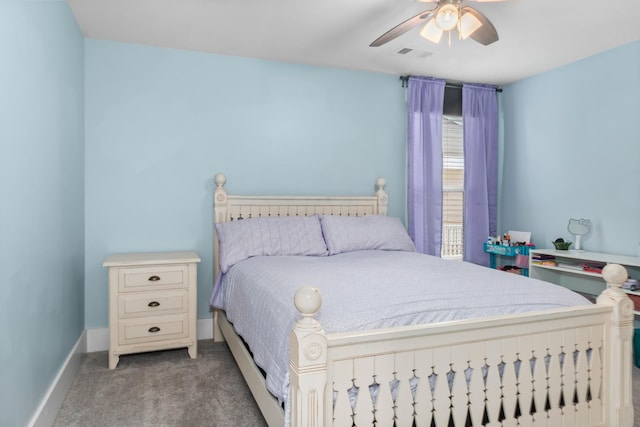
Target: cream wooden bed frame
565, 367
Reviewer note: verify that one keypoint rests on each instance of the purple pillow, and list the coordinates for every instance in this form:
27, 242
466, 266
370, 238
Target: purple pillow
347, 233
288, 235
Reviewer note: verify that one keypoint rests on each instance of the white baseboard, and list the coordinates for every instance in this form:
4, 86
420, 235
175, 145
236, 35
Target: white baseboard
205, 329
45, 414
98, 338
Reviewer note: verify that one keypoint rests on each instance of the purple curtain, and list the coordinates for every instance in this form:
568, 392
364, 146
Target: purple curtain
480, 136
425, 101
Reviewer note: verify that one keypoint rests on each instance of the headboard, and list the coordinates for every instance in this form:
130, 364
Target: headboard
232, 208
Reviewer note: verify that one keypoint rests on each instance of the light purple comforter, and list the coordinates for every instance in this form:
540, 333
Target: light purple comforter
365, 290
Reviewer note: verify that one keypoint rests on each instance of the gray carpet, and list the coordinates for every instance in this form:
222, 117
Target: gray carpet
161, 389
168, 389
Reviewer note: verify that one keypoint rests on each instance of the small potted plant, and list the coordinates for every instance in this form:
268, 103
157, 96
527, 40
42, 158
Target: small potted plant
561, 245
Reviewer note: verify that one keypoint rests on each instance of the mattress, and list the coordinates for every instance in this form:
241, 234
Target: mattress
366, 290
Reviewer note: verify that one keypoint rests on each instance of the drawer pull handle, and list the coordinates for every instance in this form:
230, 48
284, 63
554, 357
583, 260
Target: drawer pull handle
154, 329
154, 278
154, 304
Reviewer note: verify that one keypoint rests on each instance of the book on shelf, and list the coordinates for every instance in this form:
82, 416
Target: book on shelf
542, 256
543, 259
543, 262
570, 266
593, 267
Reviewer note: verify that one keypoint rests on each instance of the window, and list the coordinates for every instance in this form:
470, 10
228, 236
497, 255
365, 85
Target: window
452, 188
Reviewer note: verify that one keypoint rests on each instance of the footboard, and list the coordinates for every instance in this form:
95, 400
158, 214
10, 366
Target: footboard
567, 367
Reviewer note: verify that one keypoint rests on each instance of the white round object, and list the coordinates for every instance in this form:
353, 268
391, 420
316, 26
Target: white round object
447, 17
307, 300
615, 274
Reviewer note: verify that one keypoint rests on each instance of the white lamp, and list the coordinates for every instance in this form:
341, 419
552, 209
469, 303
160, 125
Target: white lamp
468, 24
446, 18
431, 32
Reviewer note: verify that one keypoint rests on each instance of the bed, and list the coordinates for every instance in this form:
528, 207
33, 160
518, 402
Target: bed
560, 362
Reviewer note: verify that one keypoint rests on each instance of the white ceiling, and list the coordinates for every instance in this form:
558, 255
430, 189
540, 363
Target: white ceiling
535, 35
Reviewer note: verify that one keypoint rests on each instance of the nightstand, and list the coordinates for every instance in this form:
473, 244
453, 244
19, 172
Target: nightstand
152, 302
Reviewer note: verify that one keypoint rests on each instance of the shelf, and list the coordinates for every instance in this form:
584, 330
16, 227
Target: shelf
566, 270
627, 261
580, 280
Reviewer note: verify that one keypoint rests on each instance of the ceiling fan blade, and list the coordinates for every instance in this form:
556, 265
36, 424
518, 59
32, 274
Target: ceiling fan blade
487, 33
402, 28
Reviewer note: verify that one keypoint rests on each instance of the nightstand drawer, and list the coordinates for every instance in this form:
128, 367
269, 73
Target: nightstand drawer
152, 304
161, 328
158, 277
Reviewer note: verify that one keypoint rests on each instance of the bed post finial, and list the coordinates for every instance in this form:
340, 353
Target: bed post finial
220, 179
308, 365
220, 198
618, 359
382, 196
307, 300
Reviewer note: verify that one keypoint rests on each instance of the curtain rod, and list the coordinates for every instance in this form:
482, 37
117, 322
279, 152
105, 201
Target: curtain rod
405, 83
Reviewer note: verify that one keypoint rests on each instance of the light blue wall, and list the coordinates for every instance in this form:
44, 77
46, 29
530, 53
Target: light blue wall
41, 188
572, 149
160, 123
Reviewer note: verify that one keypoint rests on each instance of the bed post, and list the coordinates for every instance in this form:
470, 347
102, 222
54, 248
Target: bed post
617, 369
308, 366
220, 214
383, 201
220, 198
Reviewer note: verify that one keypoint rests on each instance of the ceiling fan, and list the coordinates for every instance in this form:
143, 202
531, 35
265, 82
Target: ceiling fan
446, 16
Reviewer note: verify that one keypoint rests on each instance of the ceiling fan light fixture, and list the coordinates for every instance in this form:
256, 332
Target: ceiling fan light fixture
447, 17
468, 25
431, 32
